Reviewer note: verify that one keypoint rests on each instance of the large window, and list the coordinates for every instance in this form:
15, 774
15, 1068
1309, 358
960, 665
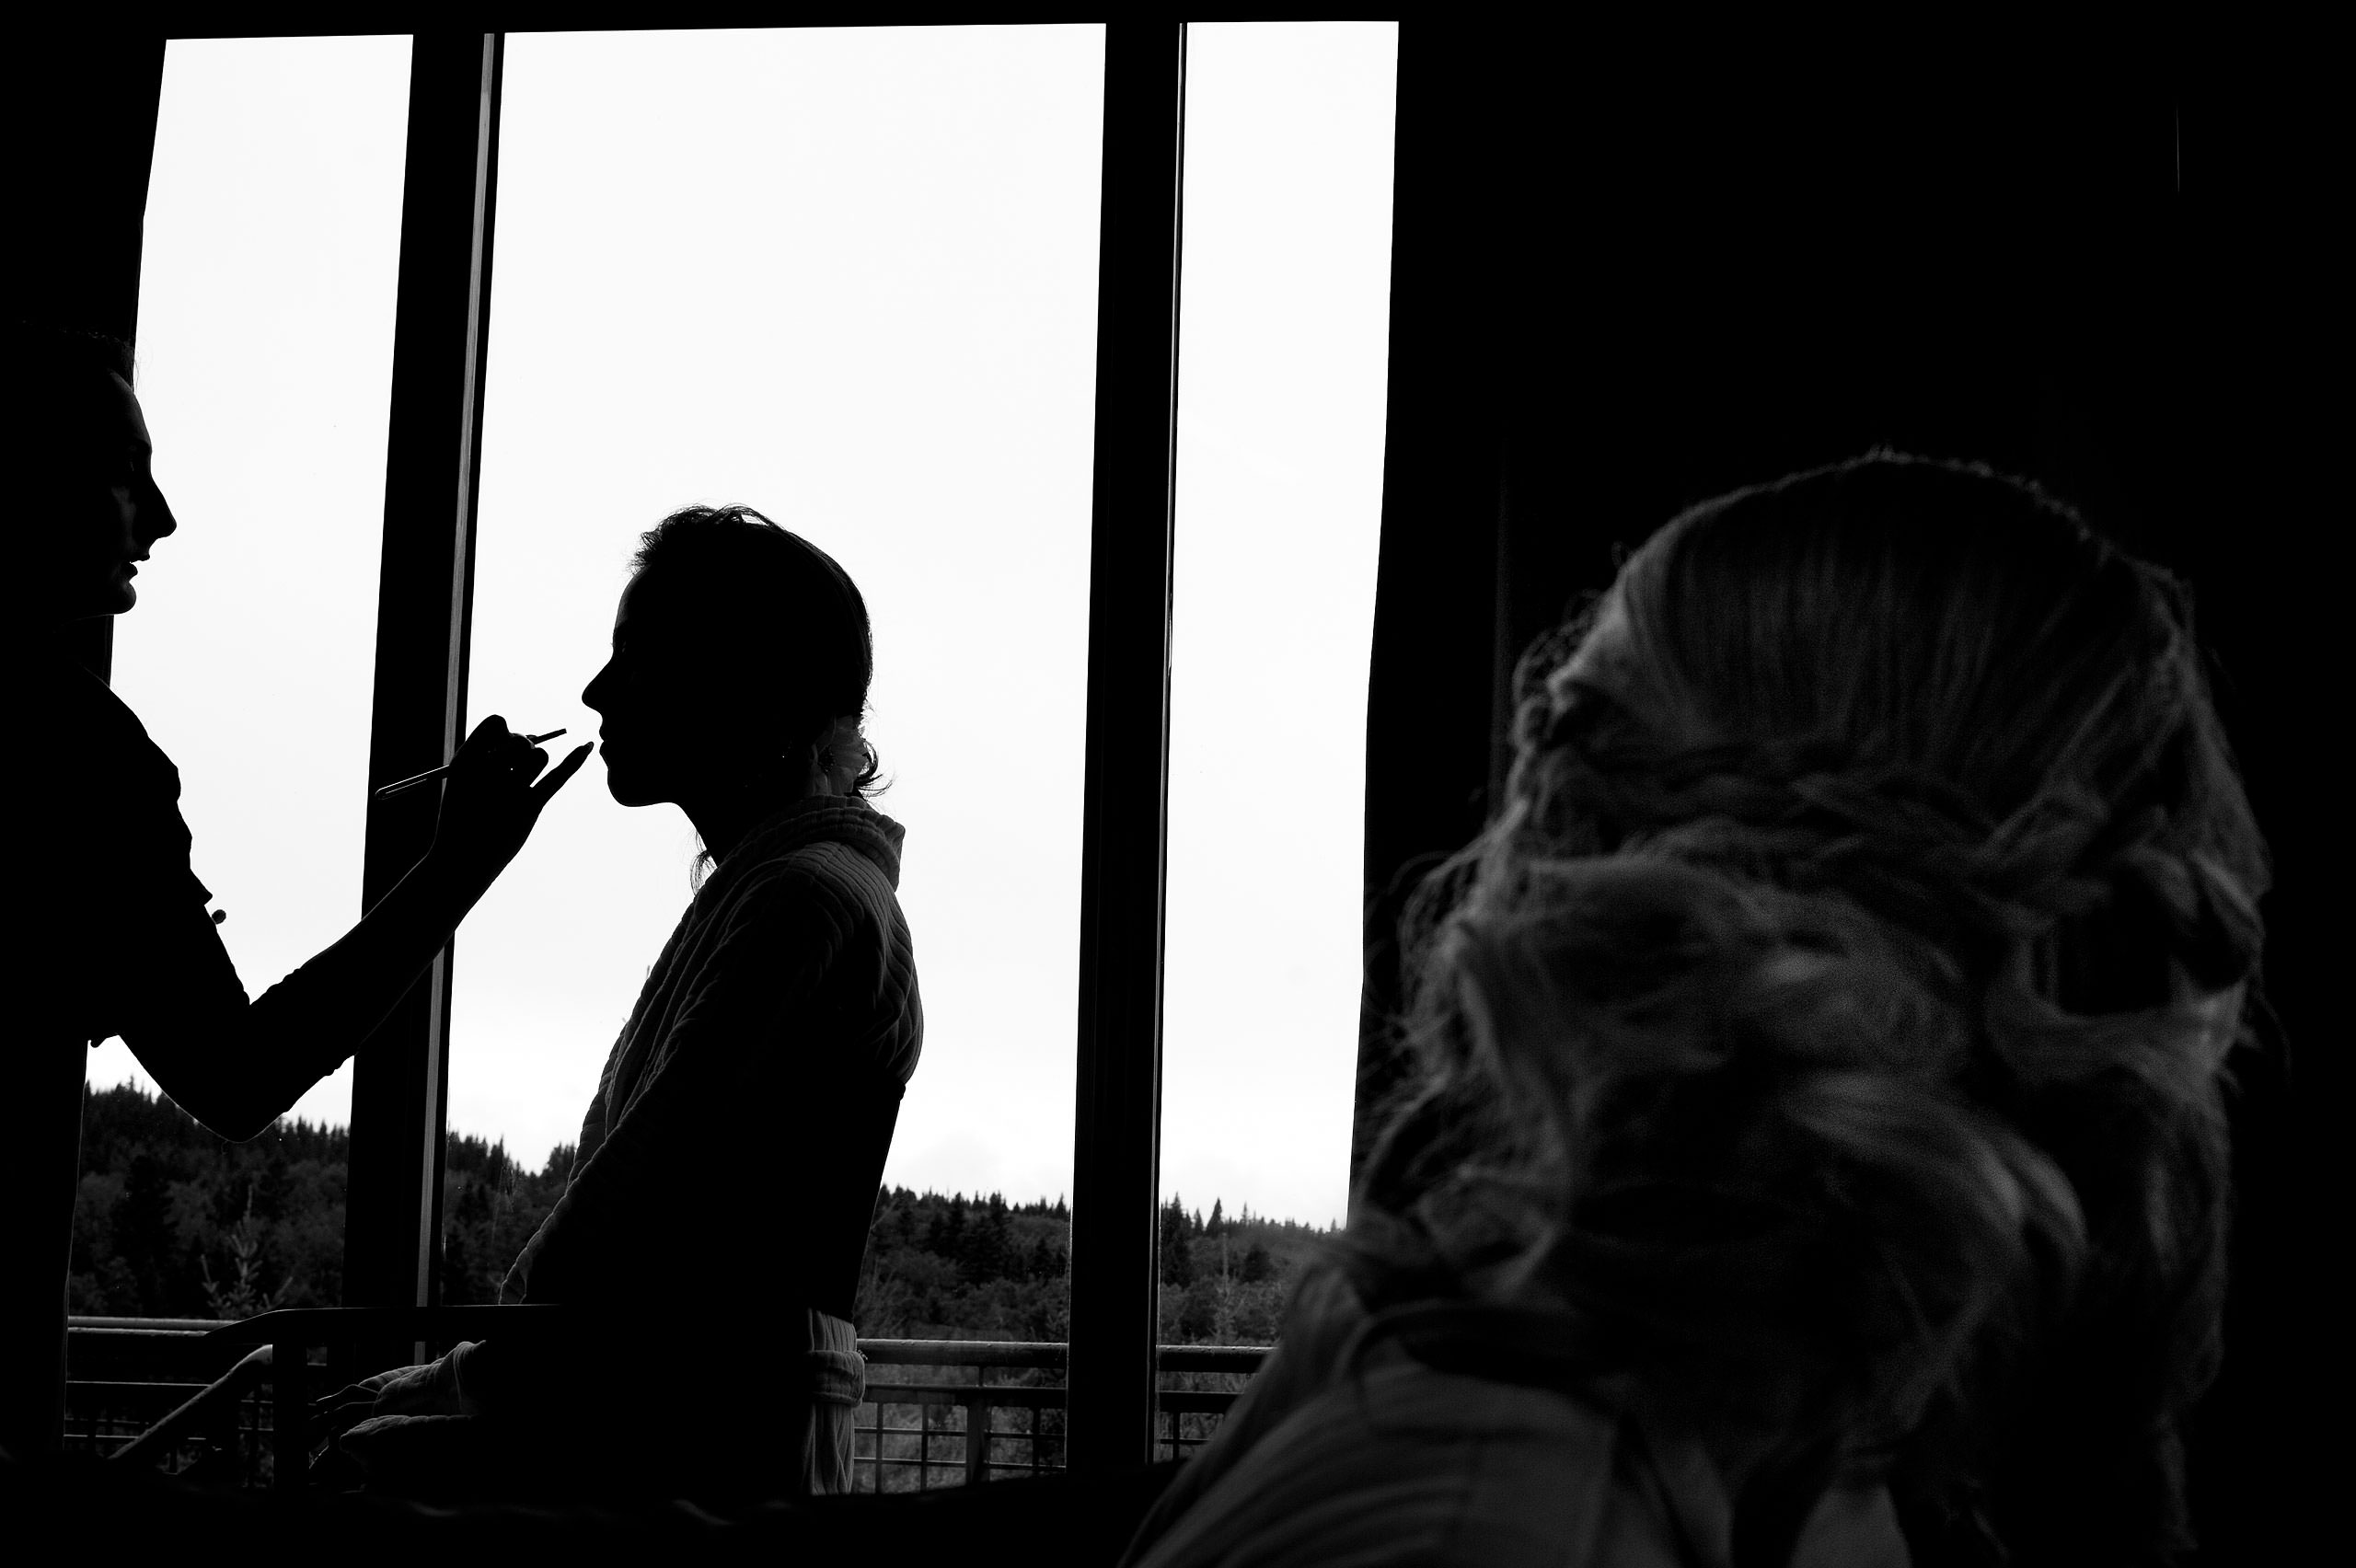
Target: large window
265, 363
846, 276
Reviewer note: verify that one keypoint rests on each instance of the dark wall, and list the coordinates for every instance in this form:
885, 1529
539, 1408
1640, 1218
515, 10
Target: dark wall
80, 131
1630, 274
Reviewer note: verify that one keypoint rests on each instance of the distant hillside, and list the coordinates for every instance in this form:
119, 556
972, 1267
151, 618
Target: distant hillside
172, 1221
953, 1267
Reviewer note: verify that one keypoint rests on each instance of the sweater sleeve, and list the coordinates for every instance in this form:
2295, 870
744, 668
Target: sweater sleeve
708, 1101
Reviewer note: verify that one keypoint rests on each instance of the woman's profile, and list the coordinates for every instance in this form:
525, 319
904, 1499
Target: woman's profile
708, 1242
1816, 1151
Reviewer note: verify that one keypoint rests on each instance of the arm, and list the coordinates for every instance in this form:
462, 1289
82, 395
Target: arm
234, 1066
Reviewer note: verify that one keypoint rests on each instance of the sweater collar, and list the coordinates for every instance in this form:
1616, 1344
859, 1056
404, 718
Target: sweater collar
820, 819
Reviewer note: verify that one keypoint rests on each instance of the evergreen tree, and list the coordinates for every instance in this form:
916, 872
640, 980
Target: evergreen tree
143, 1235
1177, 1259
953, 1243
992, 1254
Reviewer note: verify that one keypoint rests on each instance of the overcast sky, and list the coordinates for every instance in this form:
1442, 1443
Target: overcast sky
846, 276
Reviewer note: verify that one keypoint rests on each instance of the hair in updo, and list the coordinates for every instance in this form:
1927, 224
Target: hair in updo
47, 418
790, 606
1830, 1020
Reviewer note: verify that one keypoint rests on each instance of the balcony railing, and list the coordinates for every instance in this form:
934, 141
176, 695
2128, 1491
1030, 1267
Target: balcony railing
926, 1424
938, 1413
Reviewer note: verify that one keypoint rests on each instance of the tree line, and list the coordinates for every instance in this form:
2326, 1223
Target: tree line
171, 1221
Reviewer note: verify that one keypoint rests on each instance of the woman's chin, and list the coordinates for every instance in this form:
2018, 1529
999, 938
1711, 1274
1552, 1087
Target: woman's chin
112, 598
629, 792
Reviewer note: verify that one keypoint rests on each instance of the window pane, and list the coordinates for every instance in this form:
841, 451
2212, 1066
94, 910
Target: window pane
265, 368
846, 276
1282, 368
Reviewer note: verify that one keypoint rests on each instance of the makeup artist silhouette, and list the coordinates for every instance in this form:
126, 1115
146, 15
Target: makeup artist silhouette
111, 935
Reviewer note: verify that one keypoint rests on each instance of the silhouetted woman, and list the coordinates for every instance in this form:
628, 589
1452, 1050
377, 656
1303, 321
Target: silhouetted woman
110, 934
713, 1226
1817, 1154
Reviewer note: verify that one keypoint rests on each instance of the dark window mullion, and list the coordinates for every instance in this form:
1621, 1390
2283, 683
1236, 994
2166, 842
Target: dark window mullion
1117, 1128
432, 463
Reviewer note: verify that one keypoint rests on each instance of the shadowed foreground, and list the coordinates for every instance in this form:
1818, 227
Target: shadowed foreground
112, 1514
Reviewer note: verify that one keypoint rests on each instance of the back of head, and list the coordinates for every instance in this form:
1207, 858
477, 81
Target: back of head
55, 415
1832, 1020
42, 355
791, 626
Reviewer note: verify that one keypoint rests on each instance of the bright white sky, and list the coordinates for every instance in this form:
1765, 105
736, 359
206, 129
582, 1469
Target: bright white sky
846, 276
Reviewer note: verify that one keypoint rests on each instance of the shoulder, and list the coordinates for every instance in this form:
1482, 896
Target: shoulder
830, 883
838, 863
107, 788
1398, 1463
73, 715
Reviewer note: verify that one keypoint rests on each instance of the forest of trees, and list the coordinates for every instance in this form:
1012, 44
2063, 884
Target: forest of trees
980, 1268
170, 1221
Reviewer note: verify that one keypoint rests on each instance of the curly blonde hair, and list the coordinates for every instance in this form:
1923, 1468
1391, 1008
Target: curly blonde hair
1833, 1020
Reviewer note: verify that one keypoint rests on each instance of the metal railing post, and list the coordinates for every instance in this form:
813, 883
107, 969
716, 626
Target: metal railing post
977, 1437
290, 1414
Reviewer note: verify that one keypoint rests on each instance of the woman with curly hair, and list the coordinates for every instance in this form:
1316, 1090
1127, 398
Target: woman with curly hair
1817, 1153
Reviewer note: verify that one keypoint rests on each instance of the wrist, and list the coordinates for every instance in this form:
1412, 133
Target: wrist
455, 862
453, 878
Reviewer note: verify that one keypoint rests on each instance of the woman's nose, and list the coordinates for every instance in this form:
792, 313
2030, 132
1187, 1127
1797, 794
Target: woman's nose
156, 518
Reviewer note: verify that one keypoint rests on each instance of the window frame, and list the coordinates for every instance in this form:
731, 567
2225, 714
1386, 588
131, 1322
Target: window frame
418, 704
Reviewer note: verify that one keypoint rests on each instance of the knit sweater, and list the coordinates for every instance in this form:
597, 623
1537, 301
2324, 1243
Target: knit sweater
731, 1152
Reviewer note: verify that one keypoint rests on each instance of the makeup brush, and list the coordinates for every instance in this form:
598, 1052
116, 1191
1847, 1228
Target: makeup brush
398, 785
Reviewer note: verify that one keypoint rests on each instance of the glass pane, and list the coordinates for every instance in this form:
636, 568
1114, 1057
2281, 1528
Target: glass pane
1282, 370
265, 368
848, 277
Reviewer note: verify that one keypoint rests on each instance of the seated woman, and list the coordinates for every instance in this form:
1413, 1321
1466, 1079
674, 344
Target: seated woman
709, 1242
113, 937
1818, 1154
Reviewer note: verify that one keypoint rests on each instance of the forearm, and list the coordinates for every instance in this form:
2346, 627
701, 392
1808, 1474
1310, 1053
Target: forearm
237, 1074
